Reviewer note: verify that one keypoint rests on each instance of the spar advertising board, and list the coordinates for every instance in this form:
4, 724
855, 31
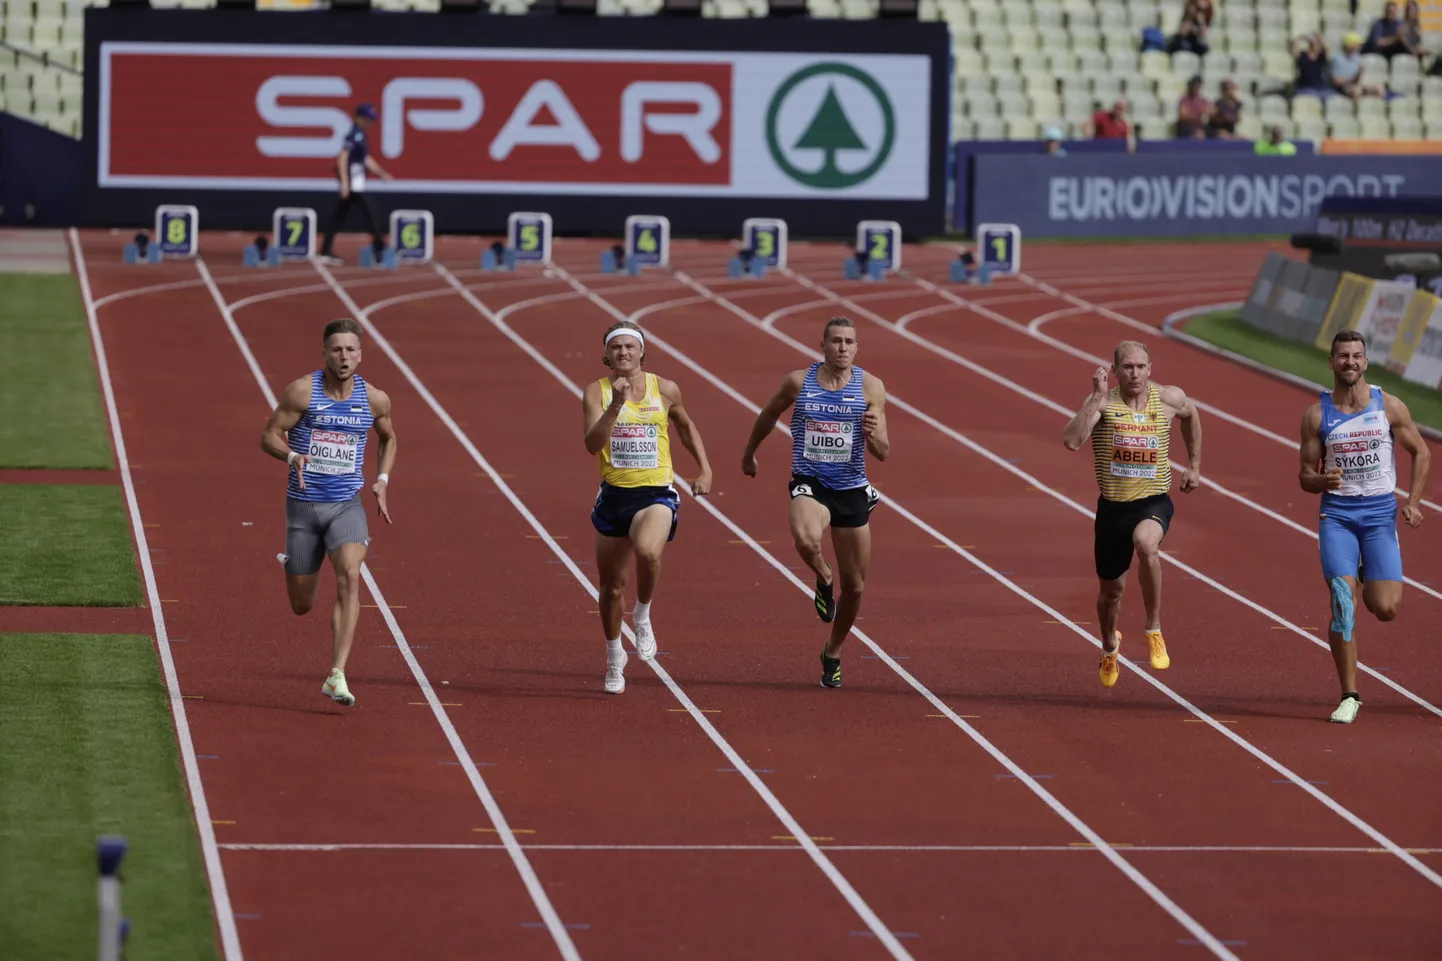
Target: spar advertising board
706, 122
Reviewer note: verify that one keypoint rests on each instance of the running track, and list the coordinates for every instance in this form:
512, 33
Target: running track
972, 792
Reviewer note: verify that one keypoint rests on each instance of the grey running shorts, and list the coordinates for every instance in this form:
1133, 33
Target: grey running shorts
315, 529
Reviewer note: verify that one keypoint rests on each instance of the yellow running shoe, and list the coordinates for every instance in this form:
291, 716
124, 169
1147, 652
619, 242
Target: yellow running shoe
1158, 648
1109, 670
335, 688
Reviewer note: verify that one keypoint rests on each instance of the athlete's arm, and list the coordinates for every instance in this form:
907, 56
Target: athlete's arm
376, 168
766, 420
1191, 422
1079, 428
342, 170
381, 409
293, 402
873, 422
1312, 479
597, 420
688, 435
1407, 435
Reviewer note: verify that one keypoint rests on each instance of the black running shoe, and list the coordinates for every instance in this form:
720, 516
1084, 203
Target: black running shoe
825, 602
830, 671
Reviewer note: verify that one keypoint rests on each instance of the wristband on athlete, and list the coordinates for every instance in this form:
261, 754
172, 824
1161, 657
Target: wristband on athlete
291, 458
384, 478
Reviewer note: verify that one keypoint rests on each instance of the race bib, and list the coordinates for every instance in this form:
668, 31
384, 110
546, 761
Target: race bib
1360, 459
333, 452
1134, 455
635, 447
828, 441
357, 178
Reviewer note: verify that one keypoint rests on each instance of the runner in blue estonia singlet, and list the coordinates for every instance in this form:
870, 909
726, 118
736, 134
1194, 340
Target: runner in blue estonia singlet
333, 433
826, 439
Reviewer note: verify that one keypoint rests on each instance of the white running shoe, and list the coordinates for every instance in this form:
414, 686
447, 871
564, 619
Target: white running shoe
336, 689
645, 640
615, 673
1346, 712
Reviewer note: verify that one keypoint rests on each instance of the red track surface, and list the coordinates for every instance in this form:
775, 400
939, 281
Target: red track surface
508, 639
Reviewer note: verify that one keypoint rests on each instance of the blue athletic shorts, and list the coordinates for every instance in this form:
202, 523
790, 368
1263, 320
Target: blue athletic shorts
1360, 528
616, 507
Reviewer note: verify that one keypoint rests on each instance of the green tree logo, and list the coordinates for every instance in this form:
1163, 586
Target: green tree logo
830, 129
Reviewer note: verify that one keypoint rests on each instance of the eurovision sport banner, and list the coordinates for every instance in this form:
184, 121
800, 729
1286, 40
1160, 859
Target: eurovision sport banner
707, 122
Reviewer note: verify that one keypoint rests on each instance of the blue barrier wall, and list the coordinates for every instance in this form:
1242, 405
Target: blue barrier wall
1175, 195
40, 171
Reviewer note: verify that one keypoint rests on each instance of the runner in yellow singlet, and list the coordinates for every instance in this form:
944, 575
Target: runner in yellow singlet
1130, 428
626, 420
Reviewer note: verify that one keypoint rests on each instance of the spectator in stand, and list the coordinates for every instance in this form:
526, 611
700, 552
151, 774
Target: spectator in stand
1110, 124
1052, 136
1276, 145
1194, 111
1411, 30
1192, 31
1389, 34
1311, 58
1346, 70
1226, 113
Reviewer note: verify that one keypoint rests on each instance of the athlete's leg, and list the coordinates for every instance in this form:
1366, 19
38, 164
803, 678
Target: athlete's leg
1340, 547
1344, 650
302, 589
346, 560
1382, 560
853, 562
613, 557
1147, 542
650, 529
304, 554
809, 519
1109, 609
342, 207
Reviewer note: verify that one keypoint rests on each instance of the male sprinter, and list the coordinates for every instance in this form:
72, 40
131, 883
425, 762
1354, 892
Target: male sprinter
1130, 427
320, 431
626, 422
1348, 457
351, 165
835, 403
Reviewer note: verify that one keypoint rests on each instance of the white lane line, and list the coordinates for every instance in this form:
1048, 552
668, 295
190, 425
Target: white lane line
787, 848
215, 872
1050, 800
1289, 442
803, 839
1177, 698
503, 829
1037, 323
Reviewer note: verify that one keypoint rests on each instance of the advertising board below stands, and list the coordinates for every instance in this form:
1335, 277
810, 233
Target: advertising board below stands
705, 122
1177, 195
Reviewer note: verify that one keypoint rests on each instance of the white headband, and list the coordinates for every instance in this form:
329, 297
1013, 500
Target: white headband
626, 332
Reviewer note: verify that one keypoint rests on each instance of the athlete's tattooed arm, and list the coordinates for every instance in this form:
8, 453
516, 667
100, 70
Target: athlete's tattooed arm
293, 402
1311, 477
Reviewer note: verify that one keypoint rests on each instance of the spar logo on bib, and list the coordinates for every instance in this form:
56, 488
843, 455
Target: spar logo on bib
830, 126
635, 447
333, 452
828, 441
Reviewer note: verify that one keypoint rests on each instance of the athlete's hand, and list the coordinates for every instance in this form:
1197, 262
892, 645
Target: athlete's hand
1191, 480
870, 421
701, 486
379, 489
1333, 478
748, 464
1100, 378
620, 391
1412, 515
344, 192
298, 465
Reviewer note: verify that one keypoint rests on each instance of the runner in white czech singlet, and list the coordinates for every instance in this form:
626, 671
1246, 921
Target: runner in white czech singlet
1348, 455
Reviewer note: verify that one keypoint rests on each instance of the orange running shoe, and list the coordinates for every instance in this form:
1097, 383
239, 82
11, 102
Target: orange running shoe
1158, 649
1109, 670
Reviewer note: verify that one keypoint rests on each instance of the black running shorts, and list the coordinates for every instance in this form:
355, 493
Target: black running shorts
1115, 522
849, 508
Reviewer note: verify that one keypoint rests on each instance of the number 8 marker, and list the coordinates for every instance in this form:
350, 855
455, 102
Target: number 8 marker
176, 229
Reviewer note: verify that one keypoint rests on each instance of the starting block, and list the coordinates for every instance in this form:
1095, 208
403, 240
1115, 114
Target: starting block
747, 263
617, 261
260, 252
965, 270
142, 251
498, 257
368, 258
863, 267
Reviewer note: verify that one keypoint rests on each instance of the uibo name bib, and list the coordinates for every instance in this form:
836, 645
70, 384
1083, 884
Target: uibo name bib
828, 441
